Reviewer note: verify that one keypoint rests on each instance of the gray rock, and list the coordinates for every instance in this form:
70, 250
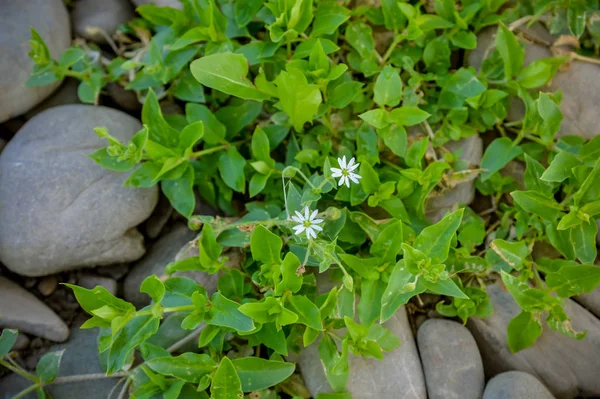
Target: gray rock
91, 281
161, 253
90, 17
21, 310
399, 375
51, 20
160, 3
451, 360
438, 204
579, 84
80, 357
2, 144
59, 210
159, 218
566, 366
516, 384
591, 301
125, 99
64, 95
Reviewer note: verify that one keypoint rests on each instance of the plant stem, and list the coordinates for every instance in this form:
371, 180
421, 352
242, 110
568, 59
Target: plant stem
388, 53
26, 391
186, 339
86, 377
167, 310
201, 153
18, 371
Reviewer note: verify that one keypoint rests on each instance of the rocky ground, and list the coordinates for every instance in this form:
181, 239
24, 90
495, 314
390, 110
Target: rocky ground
63, 219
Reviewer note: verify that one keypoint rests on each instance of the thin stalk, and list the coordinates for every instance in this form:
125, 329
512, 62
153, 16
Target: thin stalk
18, 371
86, 377
388, 53
202, 153
26, 391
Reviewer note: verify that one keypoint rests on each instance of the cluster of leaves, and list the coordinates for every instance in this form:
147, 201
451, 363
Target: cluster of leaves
275, 95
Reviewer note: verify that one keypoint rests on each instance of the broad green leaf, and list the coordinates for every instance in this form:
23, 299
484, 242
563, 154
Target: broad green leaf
226, 383
154, 287
401, 287
290, 279
7, 341
395, 138
388, 87
135, 332
513, 253
340, 96
231, 168
560, 167
536, 74
444, 287
214, 131
371, 294
360, 36
308, 313
387, 245
159, 131
583, 239
256, 373
523, 331
551, 115
375, 117
330, 357
180, 192
226, 72
533, 173
500, 152
576, 18
328, 18
539, 204
246, 10
408, 116
365, 267
434, 241
590, 188
272, 338
576, 279
48, 366
189, 367
529, 299
299, 99
260, 147
224, 312
265, 246
510, 50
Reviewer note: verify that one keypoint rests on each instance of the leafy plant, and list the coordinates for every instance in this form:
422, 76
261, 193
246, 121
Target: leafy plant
325, 137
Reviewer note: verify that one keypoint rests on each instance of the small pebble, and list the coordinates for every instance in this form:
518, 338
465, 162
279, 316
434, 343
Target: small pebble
22, 342
47, 285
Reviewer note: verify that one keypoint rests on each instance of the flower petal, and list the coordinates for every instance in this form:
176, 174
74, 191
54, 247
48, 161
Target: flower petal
352, 160
316, 221
350, 169
314, 214
308, 231
354, 178
297, 219
341, 182
315, 227
342, 162
347, 181
306, 213
299, 229
300, 216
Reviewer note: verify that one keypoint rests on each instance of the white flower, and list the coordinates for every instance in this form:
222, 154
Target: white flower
307, 222
346, 172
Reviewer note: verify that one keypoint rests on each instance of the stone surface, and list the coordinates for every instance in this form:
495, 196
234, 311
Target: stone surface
47, 285
591, 301
65, 94
160, 3
579, 83
451, 361
516, 384
399, 375
159, 218
59, 210
2, 144
51, 20
21, 310
125, 99
566, 366
90, 16
91, 281
438, 204
80, 357
162, 252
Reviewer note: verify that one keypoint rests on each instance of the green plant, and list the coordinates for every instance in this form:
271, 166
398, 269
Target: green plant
326, 149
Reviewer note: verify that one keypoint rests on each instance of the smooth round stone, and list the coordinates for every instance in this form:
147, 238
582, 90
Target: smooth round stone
59, 210
51, 20
160, 3
516, 385
91, 16
451, 360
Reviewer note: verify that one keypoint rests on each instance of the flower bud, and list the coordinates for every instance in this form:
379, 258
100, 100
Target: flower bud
332, 213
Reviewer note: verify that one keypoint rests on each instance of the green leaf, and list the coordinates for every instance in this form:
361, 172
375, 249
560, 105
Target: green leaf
465, 40
529, 299
226, 72
153, 287
265, 246
225, 313
214, 131
536, 74
290, 279
256, 373
231, 168
388, 87
510, 50
576, 18
401, 287
159, 131
7, 341
71, 56
523, 331
189, 367
260, 147
513, 253
434, 241
226, 383
308, 313
340, 96
387, 244
533, 174
360, 36
539, 204
560, 167
575, 279
299, 99
328, 18
371, 294
408, 116
375, 117
180, 192
583, 239
48, 366
135, 332
445, 287
551, 115
272, 338
590, 188
500, 152
395, 138
246, 10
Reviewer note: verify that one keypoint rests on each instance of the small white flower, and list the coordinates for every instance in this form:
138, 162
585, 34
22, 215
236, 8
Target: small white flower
346, 172
307, 222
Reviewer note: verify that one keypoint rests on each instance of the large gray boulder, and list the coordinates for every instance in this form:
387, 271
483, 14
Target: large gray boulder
90, 17
451, 360
59, 210
516, 384
463, 193
22, 311
591, 301
80, 357
160, 3
579, 83
566, 366
51, 20
398, 375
